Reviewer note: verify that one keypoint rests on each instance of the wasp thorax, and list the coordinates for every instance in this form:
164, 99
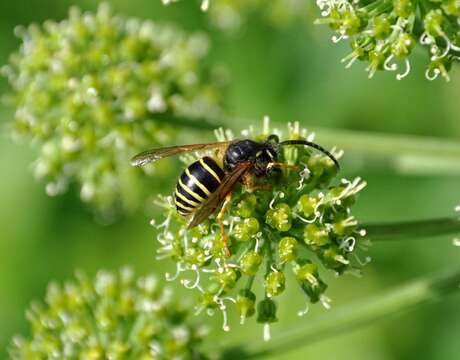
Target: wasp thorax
259, 153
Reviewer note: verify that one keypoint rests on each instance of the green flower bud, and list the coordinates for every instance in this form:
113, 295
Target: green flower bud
266, 311
246, 229
451, 7
434, 21
307, 205
228, 278
404, 8
280, 217
334, 258
307, 274
315, 236
274, 283
403, 45
245, 207
245, 303
287, 249
382, 27
351, 22
250, 263
195, 256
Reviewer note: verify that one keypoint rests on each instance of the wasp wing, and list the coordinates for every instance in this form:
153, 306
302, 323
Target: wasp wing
160, 153
217, 197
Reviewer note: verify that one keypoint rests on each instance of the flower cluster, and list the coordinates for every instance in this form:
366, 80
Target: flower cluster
231, 14
295, 220
384, 32
115, 316
94, 89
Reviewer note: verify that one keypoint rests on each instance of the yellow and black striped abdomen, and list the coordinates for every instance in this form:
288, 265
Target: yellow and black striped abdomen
196, 183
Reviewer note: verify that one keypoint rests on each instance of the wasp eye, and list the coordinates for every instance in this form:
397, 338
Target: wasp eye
273, 138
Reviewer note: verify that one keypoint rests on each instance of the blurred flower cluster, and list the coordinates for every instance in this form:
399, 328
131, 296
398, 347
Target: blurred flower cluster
114, 316
303, 221
385, 32
94, 89
231, 14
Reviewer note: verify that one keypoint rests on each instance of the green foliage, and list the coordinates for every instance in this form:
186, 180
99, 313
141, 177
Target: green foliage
303, 218
385, 32
94, 89
114, 316
231, 14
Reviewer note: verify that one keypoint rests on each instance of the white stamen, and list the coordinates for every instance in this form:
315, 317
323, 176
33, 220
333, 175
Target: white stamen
325, 301
406, 72
205, 5
390, 67
432, 76
188, 283
304, 311
179, 269
267, 335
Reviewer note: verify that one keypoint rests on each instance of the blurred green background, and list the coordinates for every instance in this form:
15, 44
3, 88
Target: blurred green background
290, 73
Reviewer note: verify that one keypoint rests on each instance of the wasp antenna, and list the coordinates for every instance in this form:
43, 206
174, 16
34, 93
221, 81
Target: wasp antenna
314, 146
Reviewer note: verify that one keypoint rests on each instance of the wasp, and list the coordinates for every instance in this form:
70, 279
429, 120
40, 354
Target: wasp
204, 186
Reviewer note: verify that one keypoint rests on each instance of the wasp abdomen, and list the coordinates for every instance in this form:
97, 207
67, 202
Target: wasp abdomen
196, 183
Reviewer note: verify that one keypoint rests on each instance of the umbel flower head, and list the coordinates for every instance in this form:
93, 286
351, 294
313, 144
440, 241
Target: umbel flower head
385, 32
298, 221
93, 89
114, 316
231, 14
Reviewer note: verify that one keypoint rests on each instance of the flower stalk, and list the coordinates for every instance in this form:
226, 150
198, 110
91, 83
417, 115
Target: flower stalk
347, 318
412, 229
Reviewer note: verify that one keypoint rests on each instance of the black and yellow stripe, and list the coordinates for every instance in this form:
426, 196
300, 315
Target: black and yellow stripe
196, 184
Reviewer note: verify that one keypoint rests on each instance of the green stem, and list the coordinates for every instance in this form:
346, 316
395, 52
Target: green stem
347, 318
407, 153
412, 229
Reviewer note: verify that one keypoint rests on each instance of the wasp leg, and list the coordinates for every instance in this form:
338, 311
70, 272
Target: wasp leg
282, 166
220, 219
251, 185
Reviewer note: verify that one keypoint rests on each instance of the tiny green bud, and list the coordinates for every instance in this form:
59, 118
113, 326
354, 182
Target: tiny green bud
250, 263
245, 303
307, 274
434, 21
404, 8
316, 236
246, 229
245, 207
334, 258
266, 311
227, 278
274, 283
307, 205
403, 45
287, 249
280, 217
382, 27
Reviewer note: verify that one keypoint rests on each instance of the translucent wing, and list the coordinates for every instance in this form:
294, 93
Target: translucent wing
217, 197
160, 153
